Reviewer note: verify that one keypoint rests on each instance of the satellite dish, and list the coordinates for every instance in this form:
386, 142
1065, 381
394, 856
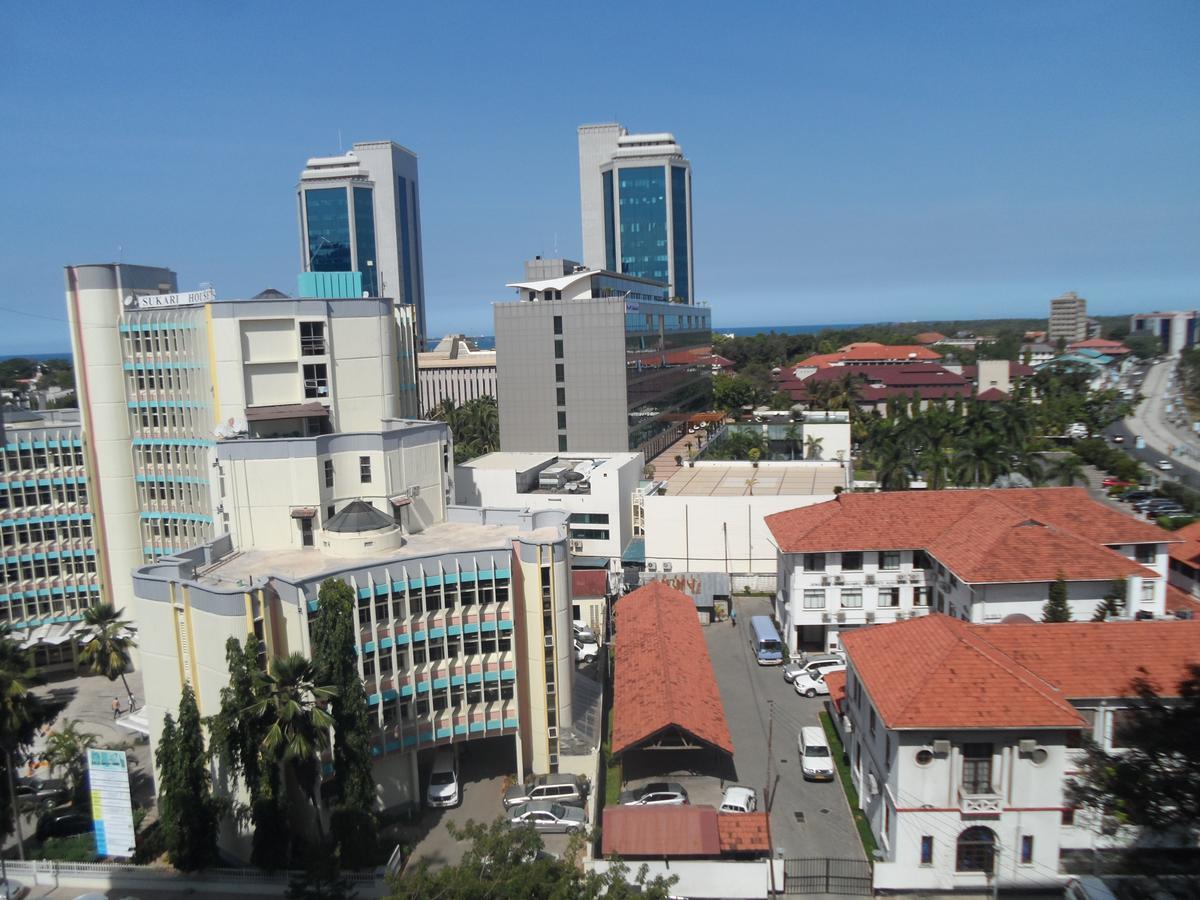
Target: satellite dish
129, 300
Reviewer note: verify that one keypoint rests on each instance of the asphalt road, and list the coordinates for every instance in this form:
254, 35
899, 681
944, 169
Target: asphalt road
1163, 439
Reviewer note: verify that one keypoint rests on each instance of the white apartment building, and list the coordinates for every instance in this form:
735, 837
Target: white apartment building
594, 489
163, 377
49, 572
1068, 318
982, 556
1176, 330
962, 738
454, 370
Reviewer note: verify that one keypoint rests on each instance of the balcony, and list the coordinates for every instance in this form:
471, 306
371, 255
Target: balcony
974, 803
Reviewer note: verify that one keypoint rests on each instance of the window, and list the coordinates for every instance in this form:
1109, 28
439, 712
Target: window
921, 596
1068, 816
364, 469
852, 562
561, 396
872, 721
814, 599
852, 598
560, 373
977, 768
1147, 591
927, 849
814, 562
562, 420
316, 380
306, 533
1026, 849
558, 349
1145, 553
558, 324
889, 560
889, 598
920, 559
1124, 722
976, 850
562, 442
312, 338
1075, 738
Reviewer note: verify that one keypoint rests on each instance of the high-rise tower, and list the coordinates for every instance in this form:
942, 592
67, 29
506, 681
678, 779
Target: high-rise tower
635, 193
361, 212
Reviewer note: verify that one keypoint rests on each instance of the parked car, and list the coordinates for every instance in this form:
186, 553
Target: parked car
739, 800
1118, 439
36, 794
656, 793
816, 760
545, 815
585, 652
64, 823
571, 790
1111, 482
583, 632
813, 663
1164, 465
812, 684
1171, 511
443, 780
1134, 496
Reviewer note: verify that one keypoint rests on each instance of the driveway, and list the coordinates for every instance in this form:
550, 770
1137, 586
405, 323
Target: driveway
807, 818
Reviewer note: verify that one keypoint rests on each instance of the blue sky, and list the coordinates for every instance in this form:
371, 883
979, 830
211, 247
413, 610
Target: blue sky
851, 161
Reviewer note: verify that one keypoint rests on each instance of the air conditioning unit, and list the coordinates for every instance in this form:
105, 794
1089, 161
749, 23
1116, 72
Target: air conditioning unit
576, 546
651, 567
841, 617
870, 617
414, 491
826, 617
838, 579
870, 579
551, 732
941, 748
901, 616
1027, 746
668, 566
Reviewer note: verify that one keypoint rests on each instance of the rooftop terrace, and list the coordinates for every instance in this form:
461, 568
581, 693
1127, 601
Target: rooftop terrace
768, 479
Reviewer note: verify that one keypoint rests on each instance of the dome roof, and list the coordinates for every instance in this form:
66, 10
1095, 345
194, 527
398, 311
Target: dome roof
356, 517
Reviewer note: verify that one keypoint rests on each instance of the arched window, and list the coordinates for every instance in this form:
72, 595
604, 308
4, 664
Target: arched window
976, 850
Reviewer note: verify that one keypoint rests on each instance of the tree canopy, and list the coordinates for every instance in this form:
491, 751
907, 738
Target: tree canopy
475, 426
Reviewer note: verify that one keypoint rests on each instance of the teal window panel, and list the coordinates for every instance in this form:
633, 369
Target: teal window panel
489, 626
476, 727
390, 694
457, 680
491, 676
410, 740
401, 639
441, 683
423, 687
418, 636
508, 674
510, 723
474, 678
454, 630
471, 628
506, 625
373, 700
406, 690
386, 644
460, 729
444, 733
368, 647
437, 633
493, 726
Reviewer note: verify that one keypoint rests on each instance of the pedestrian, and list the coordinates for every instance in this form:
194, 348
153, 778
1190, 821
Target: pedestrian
733, 617
116, 707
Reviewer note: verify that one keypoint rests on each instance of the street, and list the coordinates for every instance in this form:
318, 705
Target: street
1163, 439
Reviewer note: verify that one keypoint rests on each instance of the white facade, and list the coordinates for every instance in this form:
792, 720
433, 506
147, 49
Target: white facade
1176, 330
1068, 318
455, 371
600, 520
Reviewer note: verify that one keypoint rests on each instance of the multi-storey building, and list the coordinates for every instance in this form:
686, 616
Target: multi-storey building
635, 194
163, 377
962, 739
49, 552
1068, 318
455, 370
594, 489
464, 613
361, 212
598, 362
981, 555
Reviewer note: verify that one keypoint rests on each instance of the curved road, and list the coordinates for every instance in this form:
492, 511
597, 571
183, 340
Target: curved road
1163, 440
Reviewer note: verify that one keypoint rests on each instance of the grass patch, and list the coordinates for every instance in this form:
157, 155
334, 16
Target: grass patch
77, 848
839, 760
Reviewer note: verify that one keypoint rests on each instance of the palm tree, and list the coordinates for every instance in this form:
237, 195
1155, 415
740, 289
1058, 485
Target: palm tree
66, 749
106, 651
291, 707
1067, 470
980, 459
935, 464
812, 446
21, 712
792, 436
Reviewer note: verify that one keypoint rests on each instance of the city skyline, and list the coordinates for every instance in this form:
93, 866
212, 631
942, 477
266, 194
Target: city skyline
984, 161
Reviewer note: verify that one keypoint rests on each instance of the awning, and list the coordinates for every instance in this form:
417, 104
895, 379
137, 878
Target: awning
304, 512
635, 551
285, 411
400, 500
588, 562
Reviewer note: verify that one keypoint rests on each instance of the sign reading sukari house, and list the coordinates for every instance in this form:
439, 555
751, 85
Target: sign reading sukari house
158, 301
112, 809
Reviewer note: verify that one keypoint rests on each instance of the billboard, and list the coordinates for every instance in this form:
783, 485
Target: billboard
112, 808
159, 301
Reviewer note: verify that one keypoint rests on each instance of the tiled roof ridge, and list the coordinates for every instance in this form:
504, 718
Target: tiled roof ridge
1022, 672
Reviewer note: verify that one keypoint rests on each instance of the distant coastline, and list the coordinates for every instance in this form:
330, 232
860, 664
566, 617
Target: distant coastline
58, 355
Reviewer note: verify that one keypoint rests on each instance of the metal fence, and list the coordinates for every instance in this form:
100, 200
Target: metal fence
849, 877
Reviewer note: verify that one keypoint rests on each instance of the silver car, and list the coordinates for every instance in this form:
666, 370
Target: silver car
545, 815
811, 664
656, 793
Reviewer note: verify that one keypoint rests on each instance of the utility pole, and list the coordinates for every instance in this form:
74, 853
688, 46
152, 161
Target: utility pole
767, 791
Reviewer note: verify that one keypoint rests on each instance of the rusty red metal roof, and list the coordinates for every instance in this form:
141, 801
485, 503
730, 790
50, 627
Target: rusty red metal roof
678, 831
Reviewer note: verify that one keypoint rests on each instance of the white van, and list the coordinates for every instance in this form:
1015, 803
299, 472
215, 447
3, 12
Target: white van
816, 761
443, 780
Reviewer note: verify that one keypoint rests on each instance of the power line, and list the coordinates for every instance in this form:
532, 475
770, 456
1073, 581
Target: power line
21, 312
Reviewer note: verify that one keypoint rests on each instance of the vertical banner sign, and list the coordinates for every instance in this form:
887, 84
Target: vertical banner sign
112, 809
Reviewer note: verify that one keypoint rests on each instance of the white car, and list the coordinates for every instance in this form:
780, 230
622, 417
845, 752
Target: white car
585, 652
739, 800
1164, 465
812, 684
583, 632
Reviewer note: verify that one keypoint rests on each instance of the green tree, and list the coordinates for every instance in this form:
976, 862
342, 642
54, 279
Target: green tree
505, 863
1113, 602
335, 651
1153, 783
107, 650
1056, 608
1067, 470
812, 447
21, 712
475, 426
1143, 344
188, 813
66, 750
732, 392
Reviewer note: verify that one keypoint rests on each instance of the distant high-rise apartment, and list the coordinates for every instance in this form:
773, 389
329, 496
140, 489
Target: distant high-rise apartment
1068, 318
50, 568
597, 361
164, 377
635, 194
361, 212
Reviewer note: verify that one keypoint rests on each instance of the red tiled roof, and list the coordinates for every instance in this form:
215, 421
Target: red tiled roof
930, 337
1107, 346
937, 672
1179, 600
589, 582
991, 395
1188, 550
836, 682
868, 351
633, 831
663, 675
981, 535
743, 832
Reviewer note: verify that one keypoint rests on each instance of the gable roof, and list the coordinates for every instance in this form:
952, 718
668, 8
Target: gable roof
983, 536
589, 582
663, 676
743, 832
633, 831
936, 672
1188, 550
868, 351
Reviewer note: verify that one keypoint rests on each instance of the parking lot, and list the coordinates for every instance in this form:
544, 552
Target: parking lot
807, 818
